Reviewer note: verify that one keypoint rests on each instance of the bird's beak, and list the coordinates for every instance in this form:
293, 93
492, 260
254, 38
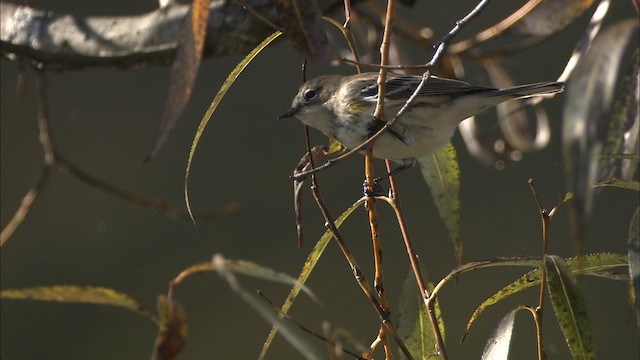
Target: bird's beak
290, 113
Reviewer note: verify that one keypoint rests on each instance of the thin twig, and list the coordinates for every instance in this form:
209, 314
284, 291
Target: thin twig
544, 217
258, 15
325, 338
44, 138
137, 200
378, 66
51, 159
384, 58
495, 30
348, 35
370, 203
357, 272
538, 322
27, 201
378, 281
419, 35
44, 135
347, 14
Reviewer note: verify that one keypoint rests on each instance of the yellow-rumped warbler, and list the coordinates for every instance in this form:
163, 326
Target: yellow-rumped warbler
342, 108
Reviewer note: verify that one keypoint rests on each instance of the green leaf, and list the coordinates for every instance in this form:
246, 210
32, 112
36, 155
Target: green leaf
634, 263
235, 73
570, 308
529, 261
442, 174
311, 262
78, 294
414, 326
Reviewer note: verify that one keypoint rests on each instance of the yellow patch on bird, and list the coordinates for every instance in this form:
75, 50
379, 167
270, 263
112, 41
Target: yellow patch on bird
357, 107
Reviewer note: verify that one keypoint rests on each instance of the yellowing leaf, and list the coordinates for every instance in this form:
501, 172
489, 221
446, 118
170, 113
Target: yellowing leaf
243, 267
78, 294
214, 104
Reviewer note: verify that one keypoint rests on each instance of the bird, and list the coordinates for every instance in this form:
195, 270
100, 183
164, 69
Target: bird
342, 108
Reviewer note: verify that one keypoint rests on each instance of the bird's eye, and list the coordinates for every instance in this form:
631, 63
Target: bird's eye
310, 94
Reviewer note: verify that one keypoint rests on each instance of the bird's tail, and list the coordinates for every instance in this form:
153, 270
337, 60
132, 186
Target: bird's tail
525, 91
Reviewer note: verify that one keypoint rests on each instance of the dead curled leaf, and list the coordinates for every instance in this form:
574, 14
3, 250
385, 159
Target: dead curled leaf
173, 330
302, 23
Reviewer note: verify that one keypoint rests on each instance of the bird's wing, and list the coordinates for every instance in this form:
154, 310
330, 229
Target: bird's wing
402, 86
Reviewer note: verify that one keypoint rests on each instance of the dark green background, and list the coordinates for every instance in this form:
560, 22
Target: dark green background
104, 121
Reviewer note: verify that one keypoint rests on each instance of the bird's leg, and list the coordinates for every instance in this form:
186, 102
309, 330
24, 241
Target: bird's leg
375, 190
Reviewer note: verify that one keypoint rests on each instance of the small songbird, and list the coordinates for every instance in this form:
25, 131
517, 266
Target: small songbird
342, 108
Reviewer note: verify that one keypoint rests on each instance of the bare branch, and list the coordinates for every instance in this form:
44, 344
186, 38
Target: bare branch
55, 41
28, 200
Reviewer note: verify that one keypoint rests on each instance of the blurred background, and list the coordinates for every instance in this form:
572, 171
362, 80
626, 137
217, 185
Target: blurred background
104, 121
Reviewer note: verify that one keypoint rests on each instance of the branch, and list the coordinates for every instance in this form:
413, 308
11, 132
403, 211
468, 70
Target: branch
56, 41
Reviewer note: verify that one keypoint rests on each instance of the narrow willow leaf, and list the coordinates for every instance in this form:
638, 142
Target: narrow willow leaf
173, 330
214, 104
622, 143
442, 174
184, 70
78, 294
589, 99
591, 264
634, 263
293, 334
623, 184
551, 16
243, 267
529, 261
570, 308
634, 157
311, 262
414, 326
497, 348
